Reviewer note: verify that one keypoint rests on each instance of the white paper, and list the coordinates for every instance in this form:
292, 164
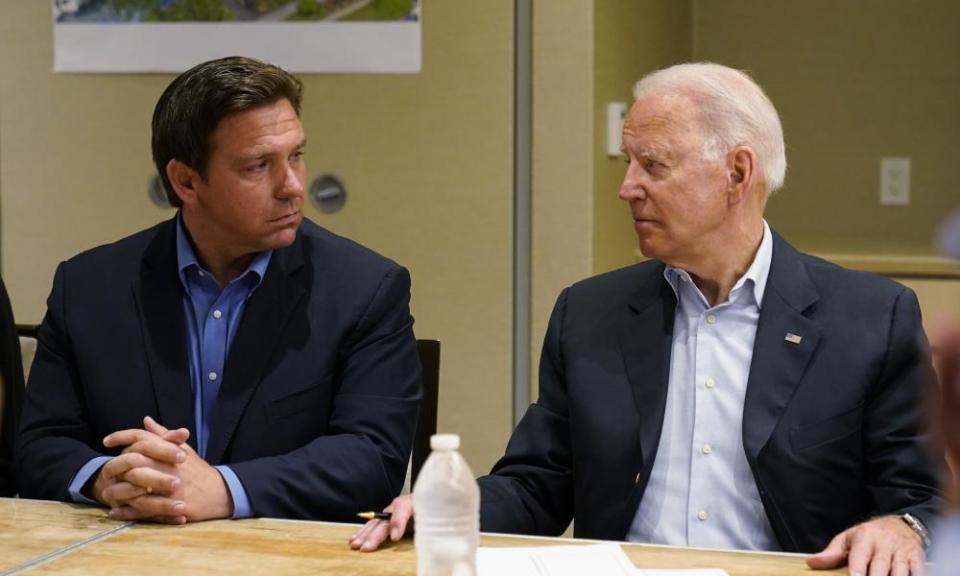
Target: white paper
595, 560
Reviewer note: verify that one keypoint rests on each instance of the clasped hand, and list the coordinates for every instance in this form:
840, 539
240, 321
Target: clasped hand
159, 477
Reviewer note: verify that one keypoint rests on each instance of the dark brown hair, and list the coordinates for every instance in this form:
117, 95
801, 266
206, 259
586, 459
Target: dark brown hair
192, 106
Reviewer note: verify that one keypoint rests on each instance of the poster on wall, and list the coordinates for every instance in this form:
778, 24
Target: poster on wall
338, 36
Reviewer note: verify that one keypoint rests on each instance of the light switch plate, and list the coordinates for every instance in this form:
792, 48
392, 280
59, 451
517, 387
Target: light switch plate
616, 112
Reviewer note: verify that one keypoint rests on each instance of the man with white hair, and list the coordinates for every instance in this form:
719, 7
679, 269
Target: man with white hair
730, 392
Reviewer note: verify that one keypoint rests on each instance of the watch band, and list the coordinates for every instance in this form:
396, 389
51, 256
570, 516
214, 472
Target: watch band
918, 527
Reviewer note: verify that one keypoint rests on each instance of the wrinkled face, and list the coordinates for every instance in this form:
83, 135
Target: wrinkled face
251, 199
677, 200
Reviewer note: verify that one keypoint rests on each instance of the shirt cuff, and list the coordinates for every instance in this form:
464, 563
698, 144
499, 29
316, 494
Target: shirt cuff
241, 504
81, 478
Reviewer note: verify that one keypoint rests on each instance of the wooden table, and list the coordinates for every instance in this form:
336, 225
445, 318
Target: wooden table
45, 537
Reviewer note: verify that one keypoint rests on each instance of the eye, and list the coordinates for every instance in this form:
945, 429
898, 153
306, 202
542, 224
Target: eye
257, 166
297, 156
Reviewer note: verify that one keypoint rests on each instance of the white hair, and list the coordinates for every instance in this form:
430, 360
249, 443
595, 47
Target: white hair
733, 111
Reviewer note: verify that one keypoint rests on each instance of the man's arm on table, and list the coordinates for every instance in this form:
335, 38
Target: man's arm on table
356, 466
898, 474
361, 462
530, 489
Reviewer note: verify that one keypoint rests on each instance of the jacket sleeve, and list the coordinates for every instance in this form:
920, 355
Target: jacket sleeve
900, 474
55, 437
530, 490
361, 462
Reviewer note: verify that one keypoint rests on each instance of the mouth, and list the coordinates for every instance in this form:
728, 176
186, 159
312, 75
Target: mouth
288, 217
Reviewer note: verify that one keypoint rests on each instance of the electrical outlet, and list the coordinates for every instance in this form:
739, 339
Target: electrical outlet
894, 181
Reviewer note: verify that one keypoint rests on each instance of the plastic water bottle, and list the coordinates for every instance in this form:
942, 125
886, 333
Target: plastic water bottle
446, 500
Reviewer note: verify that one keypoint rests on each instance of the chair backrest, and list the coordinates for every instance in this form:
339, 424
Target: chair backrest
28, 346
427, 421
28, 349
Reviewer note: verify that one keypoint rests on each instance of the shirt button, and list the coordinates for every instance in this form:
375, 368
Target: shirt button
202, 273
637, 479
710, 383
702, 515
707, 449
212, 376
217, 314
683, 278
711, 319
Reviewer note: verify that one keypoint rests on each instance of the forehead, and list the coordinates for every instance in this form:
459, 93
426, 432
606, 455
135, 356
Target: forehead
661, 118
271, 123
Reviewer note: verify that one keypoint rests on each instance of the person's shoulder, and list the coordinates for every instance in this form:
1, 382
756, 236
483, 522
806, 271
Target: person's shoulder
833, 277
332, 250
127, 250
595, 299
840, 289
622, 281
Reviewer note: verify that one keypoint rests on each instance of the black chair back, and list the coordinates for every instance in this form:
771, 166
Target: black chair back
427, 421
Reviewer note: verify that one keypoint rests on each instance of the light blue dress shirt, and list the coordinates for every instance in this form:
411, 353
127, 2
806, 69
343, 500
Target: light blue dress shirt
701, 491
212, 316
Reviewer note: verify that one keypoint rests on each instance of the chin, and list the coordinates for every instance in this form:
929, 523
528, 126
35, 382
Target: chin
651, 250
281, 239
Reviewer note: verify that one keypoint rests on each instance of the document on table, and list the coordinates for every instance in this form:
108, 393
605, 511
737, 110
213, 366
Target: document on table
593, 559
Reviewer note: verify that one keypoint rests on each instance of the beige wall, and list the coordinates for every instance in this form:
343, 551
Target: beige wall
853, 82
630, 40
562, 171
426, 158
586, 53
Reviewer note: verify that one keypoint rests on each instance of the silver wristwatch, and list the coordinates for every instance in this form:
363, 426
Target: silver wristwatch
917, 526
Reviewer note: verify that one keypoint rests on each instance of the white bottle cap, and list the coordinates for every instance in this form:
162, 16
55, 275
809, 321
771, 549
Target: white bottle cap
445, 442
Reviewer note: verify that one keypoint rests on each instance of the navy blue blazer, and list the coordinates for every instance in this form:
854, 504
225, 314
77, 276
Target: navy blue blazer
320, 390
831, 426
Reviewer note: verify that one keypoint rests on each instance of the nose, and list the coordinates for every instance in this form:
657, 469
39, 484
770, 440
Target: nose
631, 188
292, 184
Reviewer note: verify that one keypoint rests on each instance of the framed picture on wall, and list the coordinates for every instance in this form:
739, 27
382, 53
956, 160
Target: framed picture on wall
335, 36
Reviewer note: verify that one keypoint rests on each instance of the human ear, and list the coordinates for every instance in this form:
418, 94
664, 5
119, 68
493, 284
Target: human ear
741, 165
183, 179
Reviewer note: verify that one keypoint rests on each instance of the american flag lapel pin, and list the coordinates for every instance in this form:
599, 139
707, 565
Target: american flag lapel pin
792, 338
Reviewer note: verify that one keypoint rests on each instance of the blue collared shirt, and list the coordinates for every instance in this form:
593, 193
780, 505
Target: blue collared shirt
701, 491
212, 316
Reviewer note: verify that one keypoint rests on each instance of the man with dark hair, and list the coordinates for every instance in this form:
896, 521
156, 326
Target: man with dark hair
236, 360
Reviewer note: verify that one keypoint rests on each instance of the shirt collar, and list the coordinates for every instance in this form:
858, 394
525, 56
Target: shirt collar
757, 273
187, 259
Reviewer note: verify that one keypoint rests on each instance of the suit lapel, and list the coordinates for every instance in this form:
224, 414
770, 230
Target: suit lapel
779, 360
267, 313
646, 338
160, 306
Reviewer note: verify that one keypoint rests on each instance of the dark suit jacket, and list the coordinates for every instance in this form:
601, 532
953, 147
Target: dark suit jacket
320, 390
830, 425
11, 367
